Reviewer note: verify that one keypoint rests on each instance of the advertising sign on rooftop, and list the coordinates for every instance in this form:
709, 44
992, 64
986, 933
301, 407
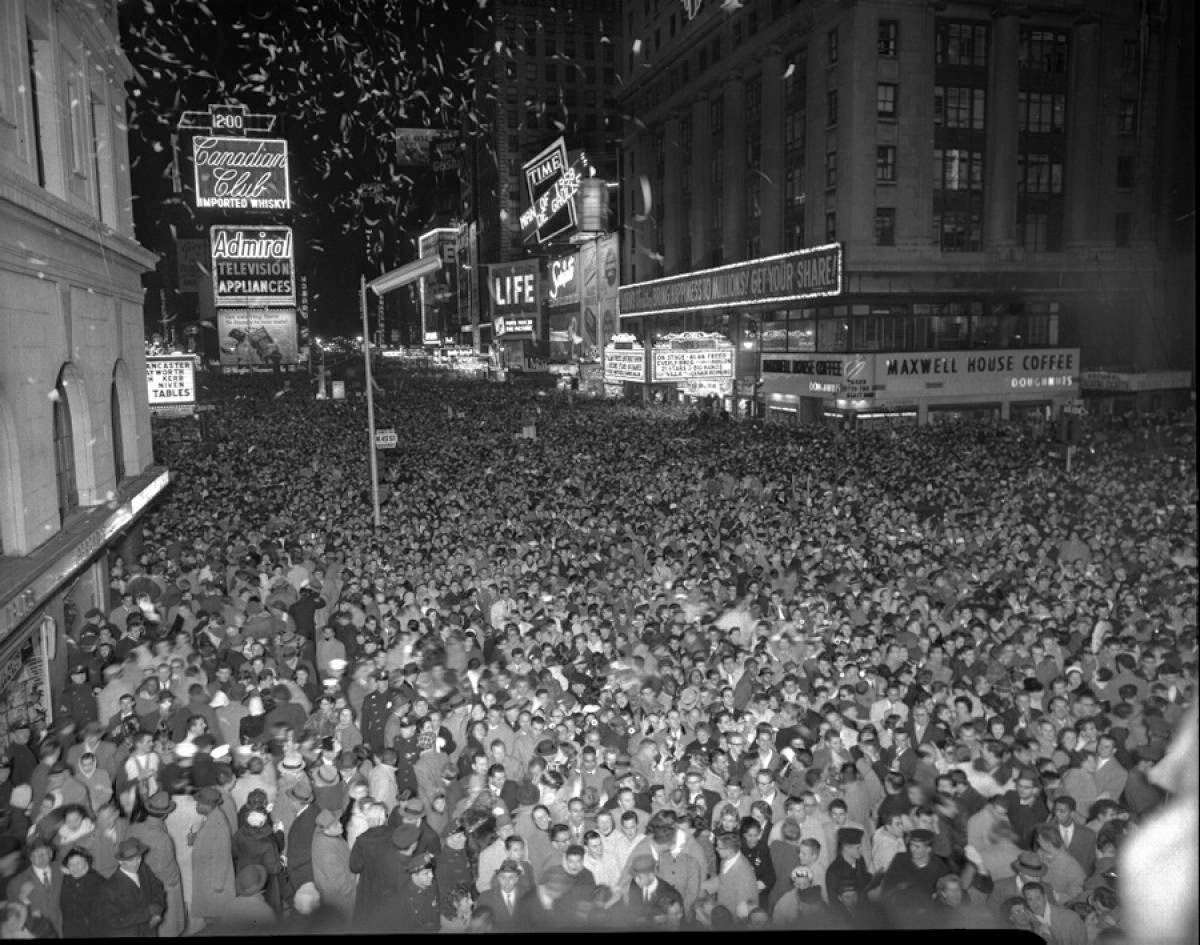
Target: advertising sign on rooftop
253, 265
241, 173
551, 183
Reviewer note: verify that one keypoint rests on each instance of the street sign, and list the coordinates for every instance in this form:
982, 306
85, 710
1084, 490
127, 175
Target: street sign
386, 439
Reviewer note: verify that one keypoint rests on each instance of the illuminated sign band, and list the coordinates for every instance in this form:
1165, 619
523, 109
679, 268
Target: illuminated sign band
253, 265
512, 327
241, 173
692, 364
552, 185
789, 277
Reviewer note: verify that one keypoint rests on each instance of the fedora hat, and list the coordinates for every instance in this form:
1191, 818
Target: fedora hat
251, 879
130, 847
1029, 863
326, 776
159, 804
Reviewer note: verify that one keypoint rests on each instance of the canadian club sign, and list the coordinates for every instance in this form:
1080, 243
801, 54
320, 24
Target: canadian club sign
241, 173
253, 265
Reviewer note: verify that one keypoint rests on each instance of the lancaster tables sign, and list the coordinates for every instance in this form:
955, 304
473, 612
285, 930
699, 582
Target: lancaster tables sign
790, 277
253, 265
170, 380
241, 173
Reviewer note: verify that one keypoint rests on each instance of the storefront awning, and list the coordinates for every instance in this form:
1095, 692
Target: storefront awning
26, 583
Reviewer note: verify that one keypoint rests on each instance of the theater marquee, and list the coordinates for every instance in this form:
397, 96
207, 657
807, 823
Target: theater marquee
788, 277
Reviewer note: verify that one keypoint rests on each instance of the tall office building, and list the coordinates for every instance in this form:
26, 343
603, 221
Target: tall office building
550, 72
985, 175
76, 465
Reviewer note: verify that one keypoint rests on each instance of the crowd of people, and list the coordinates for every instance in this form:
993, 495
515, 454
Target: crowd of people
603, 668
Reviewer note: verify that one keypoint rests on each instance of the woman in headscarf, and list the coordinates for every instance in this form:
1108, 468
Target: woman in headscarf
258, 841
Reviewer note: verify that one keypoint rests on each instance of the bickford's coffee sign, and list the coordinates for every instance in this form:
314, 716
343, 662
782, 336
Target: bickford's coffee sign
253, 265
241, 173
789, 277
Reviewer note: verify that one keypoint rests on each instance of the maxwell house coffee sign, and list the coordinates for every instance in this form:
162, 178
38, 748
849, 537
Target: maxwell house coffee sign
241, 173
253, 265
513, 298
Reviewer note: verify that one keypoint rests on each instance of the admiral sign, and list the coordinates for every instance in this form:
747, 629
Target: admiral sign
241, 173
253, 265
552, 185
789, 277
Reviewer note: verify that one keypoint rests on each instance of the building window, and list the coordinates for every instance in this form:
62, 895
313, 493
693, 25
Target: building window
831, 168
551, 72
1041, 112
752, 23
1129, 55
961, 44
794, 236
960, 231
1043, 51
885, 163
716, 50
885, 226
102, 159
1122, 228
889, 37
830, 226
1125, 172
955, 169
716, 118
42, 99
1039, 174
831, 46
64, 453
531, 71
1127, 116
831, 107
737, 33
118, 442
1035, 232
885, 100
959, 107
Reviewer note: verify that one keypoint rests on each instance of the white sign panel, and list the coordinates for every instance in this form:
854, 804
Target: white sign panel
688, 364
625, 364
386, 439
170, 380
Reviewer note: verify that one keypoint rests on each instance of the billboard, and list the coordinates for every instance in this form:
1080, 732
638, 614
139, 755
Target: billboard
551, 184
513, 298
624, 364
257, 337
788, 277
436, 148
170, 380
241, 173
191, 261
438, 291
253, 265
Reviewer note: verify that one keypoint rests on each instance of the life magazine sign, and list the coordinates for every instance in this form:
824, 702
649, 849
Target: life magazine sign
241, 173
170, 381
670, 364
788, 277
253, 265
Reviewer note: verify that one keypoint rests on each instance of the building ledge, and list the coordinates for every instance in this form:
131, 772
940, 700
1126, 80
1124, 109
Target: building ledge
27, 582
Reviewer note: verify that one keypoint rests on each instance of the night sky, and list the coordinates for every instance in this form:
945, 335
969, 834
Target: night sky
340, 75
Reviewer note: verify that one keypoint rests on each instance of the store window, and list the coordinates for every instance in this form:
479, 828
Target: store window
64, 453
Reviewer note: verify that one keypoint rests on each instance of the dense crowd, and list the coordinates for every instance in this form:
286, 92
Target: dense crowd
607, 668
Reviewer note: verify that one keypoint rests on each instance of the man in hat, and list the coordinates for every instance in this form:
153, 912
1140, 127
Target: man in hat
213, 878
849, 865
134, 896
249, 912
417, 904
39, 886
77, 702
1141, 796
512, 910
911, 880
300, 835
647, 892
412, 813
403, 738
160, 857
1053, 922
380, 857
331, 866
1027, 868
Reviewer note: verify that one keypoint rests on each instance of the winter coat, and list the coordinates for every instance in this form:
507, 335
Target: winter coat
213, 878
82, 903
332, 875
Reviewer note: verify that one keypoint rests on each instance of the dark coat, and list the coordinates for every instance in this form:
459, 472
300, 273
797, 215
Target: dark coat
44, 899
526, 916
82, 903
416, 909
130, 907
381, 869
299, 846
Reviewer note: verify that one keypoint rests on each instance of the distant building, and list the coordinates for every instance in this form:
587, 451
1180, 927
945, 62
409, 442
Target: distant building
990, 171
76, 465
550, 71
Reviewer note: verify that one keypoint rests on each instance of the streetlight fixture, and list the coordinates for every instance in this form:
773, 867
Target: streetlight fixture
395, 279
